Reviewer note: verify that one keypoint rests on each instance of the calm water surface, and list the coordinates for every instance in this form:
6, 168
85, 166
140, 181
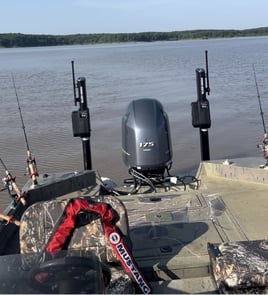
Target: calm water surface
117, 74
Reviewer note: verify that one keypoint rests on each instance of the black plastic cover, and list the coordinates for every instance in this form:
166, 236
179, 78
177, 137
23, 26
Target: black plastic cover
146, 141
201, 114
81, 123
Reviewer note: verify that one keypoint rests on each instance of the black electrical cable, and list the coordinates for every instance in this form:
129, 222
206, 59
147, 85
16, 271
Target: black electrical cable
142, 178
151, 180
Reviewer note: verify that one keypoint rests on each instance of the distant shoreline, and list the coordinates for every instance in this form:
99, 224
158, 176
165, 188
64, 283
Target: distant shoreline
12, 40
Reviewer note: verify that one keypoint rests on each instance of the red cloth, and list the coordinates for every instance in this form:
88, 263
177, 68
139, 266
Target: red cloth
112, 235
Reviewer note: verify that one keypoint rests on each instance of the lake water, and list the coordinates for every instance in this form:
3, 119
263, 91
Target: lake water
115, 75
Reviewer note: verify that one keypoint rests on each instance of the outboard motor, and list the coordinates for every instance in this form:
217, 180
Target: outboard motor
146, 142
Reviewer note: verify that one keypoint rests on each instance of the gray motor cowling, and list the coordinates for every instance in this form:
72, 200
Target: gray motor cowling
146, 141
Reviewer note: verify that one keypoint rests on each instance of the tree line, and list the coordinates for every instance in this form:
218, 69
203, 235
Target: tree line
9, 40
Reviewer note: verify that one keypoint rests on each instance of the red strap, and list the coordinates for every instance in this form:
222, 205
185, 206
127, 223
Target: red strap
10, 219
19, 197
65, 229
33, 174
112, 235
124, 255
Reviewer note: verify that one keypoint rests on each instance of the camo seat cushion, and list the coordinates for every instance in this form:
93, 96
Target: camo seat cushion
240, 267
39, 220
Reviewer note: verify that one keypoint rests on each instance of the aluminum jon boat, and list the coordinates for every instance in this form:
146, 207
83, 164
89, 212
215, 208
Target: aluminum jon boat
78, 232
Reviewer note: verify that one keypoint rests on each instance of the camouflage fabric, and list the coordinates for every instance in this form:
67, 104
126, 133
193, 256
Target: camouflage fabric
39, 220
37, 226
240, 267
120, 283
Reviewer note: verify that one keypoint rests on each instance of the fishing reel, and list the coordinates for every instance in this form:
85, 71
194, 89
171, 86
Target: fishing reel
264, 148
7, 181
8, 184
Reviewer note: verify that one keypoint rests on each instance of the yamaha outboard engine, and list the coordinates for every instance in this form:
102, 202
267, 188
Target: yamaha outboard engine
146, 142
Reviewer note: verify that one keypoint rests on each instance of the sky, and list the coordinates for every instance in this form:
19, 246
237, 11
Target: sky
61, 17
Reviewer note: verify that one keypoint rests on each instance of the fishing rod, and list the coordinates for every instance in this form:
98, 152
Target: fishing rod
31, 163
10, 183
259, 98
264, 145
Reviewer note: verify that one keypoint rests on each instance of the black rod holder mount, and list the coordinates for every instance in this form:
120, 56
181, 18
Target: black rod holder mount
201, 111
81, 118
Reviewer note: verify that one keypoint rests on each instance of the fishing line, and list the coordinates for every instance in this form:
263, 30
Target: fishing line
259, 98
21, 117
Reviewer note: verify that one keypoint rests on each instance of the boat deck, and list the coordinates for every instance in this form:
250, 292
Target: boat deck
171, 231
